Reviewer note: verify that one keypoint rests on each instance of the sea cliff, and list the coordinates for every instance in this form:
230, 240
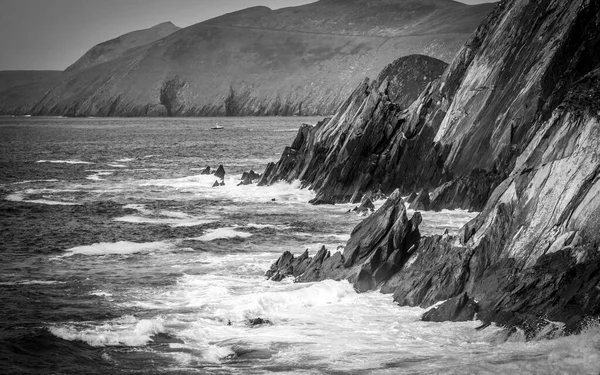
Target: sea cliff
511, 129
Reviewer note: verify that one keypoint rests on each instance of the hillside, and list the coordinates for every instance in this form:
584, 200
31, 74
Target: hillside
294, 61
20, 90
114, 48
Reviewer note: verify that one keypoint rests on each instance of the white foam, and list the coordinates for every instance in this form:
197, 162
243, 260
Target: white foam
64, 161
116, 248
127, 331
117, 165
174, 223
20, 197
221, 233
263, 226
125, 160
172, 218
203, 186
97, 176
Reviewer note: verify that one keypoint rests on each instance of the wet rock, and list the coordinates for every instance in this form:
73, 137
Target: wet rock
220, 172
422, 202
411, 198
253, 322
205, 171
458, 309
216, 184
377, 249
366, 204
222, 183
288, 265
249, 178
245, 179
253, 175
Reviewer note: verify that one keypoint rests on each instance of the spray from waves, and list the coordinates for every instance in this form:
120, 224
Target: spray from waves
221, 233
126, 330
203, 184
165, 217
20, 197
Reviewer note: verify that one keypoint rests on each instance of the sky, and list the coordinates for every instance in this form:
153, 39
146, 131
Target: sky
52, 34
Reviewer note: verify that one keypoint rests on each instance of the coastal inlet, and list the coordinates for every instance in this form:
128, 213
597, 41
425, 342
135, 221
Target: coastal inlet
119, 256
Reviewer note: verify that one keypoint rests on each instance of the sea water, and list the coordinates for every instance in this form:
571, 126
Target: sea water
117, 256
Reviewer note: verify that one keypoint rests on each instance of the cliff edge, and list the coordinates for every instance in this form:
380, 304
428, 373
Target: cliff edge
512, 128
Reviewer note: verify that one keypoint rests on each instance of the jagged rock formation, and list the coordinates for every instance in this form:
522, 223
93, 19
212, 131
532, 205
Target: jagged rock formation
336, 156
517, 108
295, 61
463, 134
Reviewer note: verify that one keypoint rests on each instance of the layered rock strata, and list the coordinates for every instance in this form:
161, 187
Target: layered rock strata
513, 123
462, 136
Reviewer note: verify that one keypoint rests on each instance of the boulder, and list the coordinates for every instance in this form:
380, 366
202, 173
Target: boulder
458, 309
253, 175
366, 204
205, 171
222, 183
220, 173
253, 322
245, 179
216, 184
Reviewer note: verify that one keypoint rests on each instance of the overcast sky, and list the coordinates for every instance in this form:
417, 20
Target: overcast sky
52, 34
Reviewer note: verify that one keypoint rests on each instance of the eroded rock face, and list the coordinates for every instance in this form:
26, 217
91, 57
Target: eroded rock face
378, 247
369, 142
458, 309
513, 127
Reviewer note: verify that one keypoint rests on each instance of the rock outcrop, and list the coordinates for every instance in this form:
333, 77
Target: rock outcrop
514, 123
220, 172
355, 151
302, 60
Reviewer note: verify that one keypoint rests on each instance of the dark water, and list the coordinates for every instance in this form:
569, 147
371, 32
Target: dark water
118, 257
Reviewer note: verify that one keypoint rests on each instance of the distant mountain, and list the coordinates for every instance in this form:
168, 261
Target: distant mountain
294, 61
115, 48
19, 89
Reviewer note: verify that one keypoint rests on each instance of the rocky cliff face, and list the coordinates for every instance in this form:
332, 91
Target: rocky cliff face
294, 61
515, 123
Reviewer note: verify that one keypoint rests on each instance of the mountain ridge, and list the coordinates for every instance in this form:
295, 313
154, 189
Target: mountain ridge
230, 69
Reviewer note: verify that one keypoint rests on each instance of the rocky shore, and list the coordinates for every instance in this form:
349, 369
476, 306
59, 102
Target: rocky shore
511, 129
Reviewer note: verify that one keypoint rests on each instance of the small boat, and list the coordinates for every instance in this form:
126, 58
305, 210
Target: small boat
217, 127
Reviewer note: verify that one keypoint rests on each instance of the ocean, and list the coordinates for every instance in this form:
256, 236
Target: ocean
118, 257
